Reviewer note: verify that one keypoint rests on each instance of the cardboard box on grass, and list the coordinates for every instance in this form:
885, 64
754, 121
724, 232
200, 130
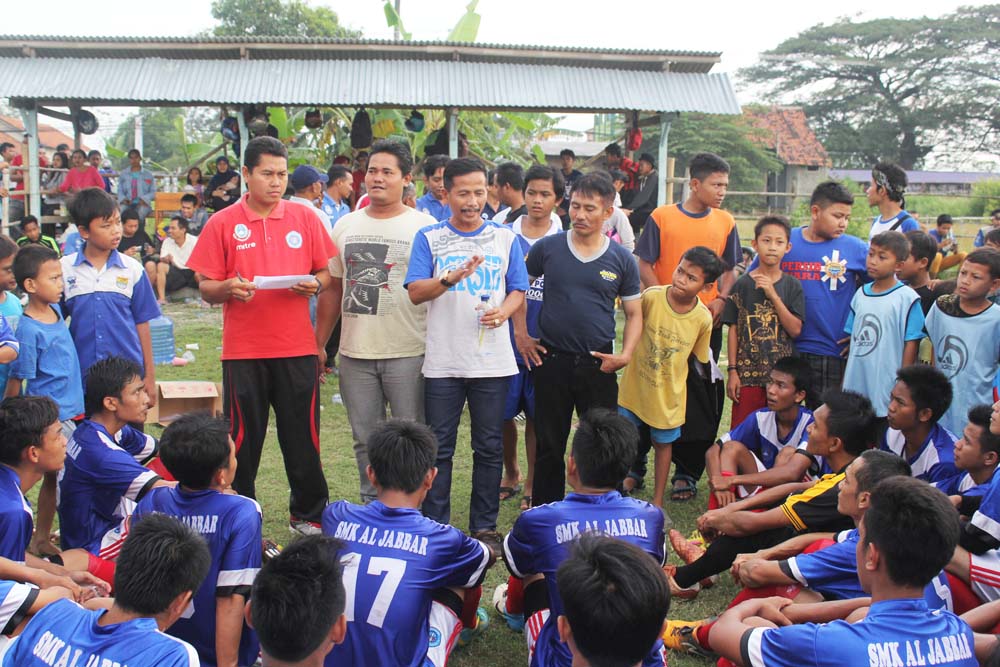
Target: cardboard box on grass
178, 397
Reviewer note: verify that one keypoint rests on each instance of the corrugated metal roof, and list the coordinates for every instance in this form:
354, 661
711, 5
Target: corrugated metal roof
389, 83
275, 48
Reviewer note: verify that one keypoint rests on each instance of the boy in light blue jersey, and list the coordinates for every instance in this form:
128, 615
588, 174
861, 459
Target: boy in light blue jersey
885, 324
899, 626
918, 399
603, 447
412, 583
964, 329
160, 568
977, 453
885, 192
200, 455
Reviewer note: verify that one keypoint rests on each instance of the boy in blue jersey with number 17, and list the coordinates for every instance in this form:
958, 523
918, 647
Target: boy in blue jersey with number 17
412, 583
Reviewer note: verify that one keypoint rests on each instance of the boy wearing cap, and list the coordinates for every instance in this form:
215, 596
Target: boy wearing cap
309, 184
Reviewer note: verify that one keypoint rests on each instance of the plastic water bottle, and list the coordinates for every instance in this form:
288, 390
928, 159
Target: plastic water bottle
161, 330
487, 333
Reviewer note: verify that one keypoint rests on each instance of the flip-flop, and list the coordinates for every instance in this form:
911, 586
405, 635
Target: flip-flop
685, 489
508, 492
525, 503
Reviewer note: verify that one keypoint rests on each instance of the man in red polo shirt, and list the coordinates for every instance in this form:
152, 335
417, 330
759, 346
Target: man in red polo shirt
269, 352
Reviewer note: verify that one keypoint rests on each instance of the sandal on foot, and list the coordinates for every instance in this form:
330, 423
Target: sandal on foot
508, 492
525, 503
685, 489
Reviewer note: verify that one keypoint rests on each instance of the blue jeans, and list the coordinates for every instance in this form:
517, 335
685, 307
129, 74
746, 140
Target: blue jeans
444, 399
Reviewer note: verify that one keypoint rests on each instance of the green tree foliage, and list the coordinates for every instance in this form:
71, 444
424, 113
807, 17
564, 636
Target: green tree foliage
172, 138
276, 18
894, 88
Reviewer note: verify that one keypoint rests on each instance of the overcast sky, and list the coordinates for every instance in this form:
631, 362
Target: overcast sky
739, 29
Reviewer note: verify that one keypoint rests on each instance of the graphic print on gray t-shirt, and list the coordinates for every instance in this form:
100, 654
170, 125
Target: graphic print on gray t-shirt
367, 274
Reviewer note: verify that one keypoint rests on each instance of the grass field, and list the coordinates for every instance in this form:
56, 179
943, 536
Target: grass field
499, 647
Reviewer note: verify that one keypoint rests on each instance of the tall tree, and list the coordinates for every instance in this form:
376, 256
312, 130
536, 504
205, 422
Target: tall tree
893, 88
276, 18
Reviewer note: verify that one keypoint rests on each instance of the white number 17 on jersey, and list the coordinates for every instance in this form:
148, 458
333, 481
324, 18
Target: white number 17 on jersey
392, 568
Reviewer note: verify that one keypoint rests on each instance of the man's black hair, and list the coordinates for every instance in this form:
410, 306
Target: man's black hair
134, 151
851, 418
28, 220
615, 599
91, 204
995, 212
339, 171
613, 149
400, 453
108, 377
604, 445
464, 166
775, 220
988, 257
929, 388
7, 246
5, 145
81, 152
944, 219
980, 415
896, 177
596, 184
23, 422
830, 192
905, 512
798, 369
397, 149
434, 162
161, 559
704, 165
260, 146
879, 465
566, 151
181, 221
131, 214
510, 174
711, 266
189, 199
992, 236
618, 175
894, 242
92, 153
922, 246
542, 173
297, 597
194, 447
29, 259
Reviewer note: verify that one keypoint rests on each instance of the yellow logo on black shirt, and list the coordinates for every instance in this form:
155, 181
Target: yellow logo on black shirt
609, 275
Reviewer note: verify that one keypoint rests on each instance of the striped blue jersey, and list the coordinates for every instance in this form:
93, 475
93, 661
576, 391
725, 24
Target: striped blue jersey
16, 516
759, 433
936, 459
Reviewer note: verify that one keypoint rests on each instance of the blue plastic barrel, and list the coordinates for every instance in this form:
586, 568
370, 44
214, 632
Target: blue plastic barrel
161, 330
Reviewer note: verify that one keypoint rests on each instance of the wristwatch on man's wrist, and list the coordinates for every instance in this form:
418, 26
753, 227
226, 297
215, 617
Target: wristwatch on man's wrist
444, 279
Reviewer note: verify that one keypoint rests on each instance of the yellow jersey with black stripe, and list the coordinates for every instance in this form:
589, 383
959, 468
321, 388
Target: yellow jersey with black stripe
815, 509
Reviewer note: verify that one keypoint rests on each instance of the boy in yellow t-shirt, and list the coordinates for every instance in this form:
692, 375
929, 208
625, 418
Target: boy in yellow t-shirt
675, 325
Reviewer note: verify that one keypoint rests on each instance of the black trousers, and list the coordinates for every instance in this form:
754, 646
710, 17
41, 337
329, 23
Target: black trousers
723, 550
333, 346
563, 382
291, 386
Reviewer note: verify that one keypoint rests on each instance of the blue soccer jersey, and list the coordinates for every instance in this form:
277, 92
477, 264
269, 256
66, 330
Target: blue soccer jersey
231, 525
394, 559
98, 487
142, 446
962, 484
880, 324
48, 364
987, 517
540, 540
759, 433
936, 459
64, 633
533, 297
833, 573
15, 516
15, 604
895, 632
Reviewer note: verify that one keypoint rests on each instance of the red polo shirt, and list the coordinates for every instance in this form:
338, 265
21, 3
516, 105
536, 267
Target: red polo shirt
290, 241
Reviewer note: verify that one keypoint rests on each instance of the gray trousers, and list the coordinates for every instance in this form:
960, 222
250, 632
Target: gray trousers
367, 386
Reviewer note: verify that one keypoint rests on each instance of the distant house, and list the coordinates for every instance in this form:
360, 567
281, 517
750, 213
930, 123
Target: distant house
12, 130
931, 182
786, 131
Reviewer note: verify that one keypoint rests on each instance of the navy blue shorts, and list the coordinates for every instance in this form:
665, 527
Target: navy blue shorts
520, 394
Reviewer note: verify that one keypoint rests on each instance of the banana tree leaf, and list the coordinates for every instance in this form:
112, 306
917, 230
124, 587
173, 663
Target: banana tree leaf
468, 26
